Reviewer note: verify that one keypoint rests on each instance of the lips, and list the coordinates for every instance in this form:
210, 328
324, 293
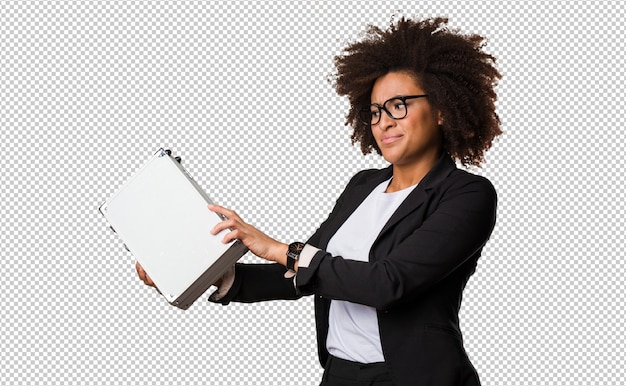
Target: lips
390, 138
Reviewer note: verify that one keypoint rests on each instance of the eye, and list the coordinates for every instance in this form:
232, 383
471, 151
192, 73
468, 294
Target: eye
369, 114
398, 105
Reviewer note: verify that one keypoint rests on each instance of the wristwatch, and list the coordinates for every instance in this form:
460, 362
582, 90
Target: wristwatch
293, 254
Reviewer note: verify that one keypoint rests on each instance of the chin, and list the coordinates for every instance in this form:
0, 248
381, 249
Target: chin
391, 158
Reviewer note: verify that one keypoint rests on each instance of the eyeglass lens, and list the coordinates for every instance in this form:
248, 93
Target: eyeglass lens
395, 108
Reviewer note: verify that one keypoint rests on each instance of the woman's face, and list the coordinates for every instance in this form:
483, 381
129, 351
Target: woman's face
416, 137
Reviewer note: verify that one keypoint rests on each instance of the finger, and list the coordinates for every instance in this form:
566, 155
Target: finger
230, 236
140, 270
223, 225
223, 211
143, 275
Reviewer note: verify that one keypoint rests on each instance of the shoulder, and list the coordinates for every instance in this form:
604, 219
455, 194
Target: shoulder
464, 177
463, 183
367, 175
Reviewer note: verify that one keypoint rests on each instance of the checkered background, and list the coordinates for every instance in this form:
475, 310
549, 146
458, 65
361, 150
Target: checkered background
89, 91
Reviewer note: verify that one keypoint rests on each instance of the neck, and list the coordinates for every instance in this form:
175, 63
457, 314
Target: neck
407, 175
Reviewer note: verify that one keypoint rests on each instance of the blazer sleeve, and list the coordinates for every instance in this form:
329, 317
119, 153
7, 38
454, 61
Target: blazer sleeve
259, 282
452, 234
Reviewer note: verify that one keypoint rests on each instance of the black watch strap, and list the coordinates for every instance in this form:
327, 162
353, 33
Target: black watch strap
293, 254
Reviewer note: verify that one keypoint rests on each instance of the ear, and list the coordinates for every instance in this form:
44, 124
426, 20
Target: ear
439, 118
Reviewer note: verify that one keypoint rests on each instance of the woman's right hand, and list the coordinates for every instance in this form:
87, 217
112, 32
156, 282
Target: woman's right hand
143, 275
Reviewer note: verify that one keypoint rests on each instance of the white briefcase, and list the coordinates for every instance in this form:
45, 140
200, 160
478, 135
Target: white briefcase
161, 215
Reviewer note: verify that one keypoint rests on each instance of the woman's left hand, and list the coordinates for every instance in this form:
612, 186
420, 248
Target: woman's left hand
257, 242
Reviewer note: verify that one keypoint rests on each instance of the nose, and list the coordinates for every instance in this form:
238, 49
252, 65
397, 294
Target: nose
385, 121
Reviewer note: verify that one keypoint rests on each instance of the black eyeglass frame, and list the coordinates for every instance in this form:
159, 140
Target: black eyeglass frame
367, 109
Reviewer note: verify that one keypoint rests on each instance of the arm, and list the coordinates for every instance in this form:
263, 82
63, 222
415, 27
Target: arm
256, 283
259, 282
258, 242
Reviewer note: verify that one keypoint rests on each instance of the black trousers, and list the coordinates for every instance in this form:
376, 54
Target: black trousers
340, 372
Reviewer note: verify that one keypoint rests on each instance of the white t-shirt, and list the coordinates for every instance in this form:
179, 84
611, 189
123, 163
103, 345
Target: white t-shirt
353, 328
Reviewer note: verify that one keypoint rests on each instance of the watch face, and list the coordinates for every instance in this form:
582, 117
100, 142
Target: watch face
296, 247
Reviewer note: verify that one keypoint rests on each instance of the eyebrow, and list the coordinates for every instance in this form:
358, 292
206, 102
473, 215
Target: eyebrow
388, 99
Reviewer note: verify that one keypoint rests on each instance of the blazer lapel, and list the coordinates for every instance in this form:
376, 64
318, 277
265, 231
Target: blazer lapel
444, 166
356, 196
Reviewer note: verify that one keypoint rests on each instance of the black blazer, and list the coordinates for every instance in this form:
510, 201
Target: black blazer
418, 267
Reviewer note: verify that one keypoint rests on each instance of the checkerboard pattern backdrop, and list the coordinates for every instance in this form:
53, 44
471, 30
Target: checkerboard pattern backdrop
239, 90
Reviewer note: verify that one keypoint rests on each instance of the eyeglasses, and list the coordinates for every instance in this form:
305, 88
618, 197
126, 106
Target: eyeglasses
395, 108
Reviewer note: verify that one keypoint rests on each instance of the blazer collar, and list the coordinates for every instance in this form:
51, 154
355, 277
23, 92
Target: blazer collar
354, 197
444, 166
442, 169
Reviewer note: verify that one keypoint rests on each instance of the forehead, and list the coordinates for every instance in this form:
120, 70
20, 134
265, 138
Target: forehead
394, 84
